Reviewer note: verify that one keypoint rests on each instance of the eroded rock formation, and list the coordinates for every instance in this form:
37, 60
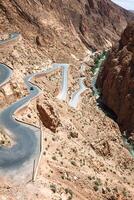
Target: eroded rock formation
94, 22
48, 117
116, 80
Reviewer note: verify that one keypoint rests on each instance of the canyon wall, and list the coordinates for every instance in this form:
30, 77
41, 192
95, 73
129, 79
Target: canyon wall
95, 23
116, 80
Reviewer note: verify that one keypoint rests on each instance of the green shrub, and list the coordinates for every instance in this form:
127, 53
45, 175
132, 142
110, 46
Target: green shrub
53, 188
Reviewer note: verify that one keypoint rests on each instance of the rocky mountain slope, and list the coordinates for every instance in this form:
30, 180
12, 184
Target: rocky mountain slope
84, 157
95, 23
116, 80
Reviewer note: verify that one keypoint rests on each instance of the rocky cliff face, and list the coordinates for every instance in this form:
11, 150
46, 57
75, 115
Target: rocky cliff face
48, 117
94, 22
116, 80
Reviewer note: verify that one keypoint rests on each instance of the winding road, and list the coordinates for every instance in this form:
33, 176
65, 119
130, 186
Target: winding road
27, 137
75, 97
63, 94
5, 74
12, 37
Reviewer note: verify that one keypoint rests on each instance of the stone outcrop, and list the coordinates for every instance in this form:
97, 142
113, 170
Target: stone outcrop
48, 117
116, 80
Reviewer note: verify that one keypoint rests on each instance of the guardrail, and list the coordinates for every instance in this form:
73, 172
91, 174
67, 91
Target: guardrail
36, 165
